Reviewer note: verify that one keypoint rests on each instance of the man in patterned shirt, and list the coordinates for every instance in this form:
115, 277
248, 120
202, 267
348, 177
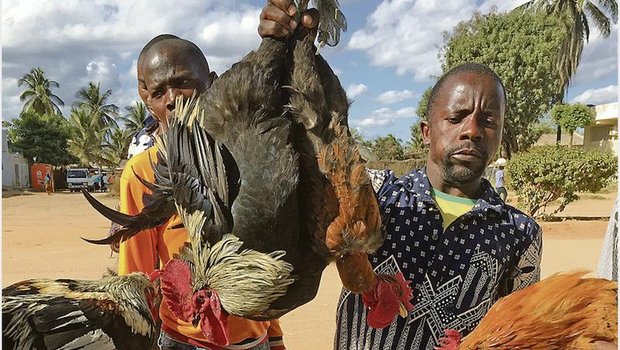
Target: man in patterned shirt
447, 230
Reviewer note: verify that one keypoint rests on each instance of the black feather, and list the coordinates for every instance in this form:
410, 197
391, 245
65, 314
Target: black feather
159, 208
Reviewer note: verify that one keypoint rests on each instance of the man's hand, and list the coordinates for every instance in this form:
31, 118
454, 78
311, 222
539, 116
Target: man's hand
278, 19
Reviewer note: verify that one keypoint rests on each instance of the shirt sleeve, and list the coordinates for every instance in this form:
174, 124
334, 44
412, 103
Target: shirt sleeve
139, 253
380, 179
528, 267
274, 332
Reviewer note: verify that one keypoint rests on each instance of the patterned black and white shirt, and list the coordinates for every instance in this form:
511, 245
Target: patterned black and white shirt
456, 274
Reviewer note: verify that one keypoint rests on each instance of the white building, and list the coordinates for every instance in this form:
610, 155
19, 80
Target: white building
14, 167
603, 133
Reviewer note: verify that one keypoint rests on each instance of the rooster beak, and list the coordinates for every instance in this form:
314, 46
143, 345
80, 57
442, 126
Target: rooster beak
196, 321
402, 310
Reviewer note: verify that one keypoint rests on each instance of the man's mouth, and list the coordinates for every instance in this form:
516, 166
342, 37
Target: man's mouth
467, 154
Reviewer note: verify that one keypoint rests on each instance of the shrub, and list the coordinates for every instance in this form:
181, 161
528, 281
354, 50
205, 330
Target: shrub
545, 174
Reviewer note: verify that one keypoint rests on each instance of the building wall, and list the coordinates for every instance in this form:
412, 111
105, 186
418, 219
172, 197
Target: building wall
603, 133
14, 167
7, 169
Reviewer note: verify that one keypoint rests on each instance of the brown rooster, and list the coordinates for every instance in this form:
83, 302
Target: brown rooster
116, 312
271, 188
341, 211
564, 311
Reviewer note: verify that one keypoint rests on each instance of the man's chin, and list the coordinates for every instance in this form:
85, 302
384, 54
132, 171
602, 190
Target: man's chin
459, 174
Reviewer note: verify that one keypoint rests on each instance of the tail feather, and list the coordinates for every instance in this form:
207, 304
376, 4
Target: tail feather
159, 208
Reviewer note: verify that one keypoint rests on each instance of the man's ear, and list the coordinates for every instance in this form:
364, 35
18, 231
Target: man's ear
425, 127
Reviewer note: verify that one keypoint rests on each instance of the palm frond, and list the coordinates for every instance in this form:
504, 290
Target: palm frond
599, 18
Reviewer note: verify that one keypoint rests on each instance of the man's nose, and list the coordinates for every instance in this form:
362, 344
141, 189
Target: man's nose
471, 128
171, 97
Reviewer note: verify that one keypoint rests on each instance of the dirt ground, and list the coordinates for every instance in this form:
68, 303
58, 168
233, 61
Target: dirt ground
41, 238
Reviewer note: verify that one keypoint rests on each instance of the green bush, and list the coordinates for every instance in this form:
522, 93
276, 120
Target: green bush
545, 174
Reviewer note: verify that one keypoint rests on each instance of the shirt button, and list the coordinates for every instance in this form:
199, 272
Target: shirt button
435, 236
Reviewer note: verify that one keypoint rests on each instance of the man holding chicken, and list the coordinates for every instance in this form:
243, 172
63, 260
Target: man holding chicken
169, 67
446, 229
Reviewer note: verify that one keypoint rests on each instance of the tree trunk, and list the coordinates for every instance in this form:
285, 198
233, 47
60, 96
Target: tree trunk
558, 135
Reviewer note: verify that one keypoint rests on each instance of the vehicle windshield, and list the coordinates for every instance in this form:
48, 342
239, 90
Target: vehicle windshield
74, 174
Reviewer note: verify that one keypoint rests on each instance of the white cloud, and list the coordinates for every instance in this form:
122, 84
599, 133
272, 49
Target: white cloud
393, 96
369, 122
409, 42
354, 90
383, 117
78, 41
598, 96
407, 112
406, 34
104, 72
599, 59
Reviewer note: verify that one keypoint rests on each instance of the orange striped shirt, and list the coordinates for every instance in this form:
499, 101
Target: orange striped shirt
143, 251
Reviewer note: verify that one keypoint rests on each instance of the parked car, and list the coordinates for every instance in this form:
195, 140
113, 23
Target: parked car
78, 178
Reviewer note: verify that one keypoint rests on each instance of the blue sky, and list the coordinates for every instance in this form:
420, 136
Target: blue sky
385, 60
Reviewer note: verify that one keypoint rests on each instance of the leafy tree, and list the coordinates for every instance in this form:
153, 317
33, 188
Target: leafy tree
87, 136
416, 146
134, 119
44, 137
576, 18
423, 104
542, 175
522, 49
388, 148
97, 104
38, 96
115, 148
571, 117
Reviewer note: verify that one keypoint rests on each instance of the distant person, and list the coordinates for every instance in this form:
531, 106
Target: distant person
104, 182
499, 180
49, 186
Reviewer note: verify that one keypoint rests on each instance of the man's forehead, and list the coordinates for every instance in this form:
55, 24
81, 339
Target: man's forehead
466, 83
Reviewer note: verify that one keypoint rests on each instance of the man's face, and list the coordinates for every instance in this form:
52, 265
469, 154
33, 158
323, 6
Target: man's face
166, 72
465, 127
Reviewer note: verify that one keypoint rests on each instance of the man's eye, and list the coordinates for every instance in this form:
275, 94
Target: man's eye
184, 83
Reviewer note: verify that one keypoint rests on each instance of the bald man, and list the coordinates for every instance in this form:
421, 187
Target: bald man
169, 67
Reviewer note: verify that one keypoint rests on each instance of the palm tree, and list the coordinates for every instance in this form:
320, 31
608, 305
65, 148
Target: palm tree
115, 148
38, 94
134, 120
577, 15
92, 98
87, 136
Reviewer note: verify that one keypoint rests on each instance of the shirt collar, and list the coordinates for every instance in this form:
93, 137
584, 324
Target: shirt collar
417, 183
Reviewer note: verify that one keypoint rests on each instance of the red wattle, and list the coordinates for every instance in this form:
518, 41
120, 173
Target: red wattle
214, 322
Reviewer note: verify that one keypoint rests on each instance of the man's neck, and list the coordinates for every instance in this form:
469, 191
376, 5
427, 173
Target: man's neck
471, 189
